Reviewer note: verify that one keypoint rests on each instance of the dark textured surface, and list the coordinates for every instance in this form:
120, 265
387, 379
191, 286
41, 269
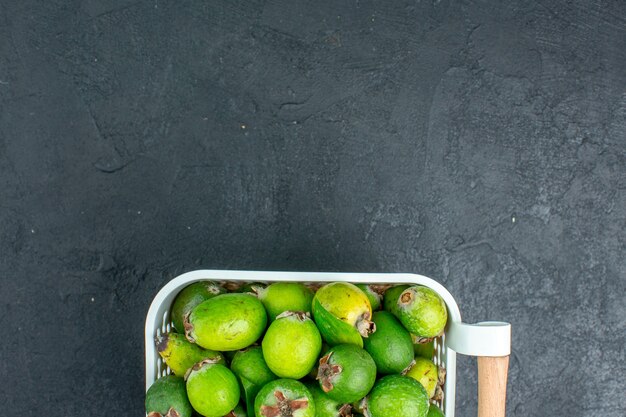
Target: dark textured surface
482, 145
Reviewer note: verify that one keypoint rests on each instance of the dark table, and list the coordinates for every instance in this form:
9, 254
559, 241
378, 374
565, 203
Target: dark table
483, 145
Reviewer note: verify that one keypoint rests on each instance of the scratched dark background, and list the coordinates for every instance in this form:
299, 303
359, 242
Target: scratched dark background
483, 145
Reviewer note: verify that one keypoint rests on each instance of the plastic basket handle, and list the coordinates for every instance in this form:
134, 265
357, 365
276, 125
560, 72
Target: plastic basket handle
491, 343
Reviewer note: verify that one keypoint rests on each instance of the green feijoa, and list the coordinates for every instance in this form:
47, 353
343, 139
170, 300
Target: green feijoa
426, 373
424, 348
250, 364
284, 398
285, 296
391, 296
180, 355
252, 371
189, 297
326, 406
226, 322
422, 311
342, 313
346, 373
167, 397
434, 411
390, 345
397, 395
374, 293
212, 389
291, 345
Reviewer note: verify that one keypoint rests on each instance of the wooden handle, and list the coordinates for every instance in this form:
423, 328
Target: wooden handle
492, 375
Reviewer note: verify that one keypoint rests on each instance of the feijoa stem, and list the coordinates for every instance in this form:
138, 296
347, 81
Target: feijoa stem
365, 326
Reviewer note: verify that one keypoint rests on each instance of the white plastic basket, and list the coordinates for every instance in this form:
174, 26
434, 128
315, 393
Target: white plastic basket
488, 339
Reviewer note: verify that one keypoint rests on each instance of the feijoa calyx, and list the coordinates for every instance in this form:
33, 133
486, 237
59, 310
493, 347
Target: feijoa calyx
291, 345
397, 395
346, 373
342, 313
422, 311
390, 346
189, 297
284, 398
226, 322
167, 397
180, 354
212, 389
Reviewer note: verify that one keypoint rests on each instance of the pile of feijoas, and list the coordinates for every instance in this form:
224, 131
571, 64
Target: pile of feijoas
288, 349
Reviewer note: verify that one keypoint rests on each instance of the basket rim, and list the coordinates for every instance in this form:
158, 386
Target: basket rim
269, 276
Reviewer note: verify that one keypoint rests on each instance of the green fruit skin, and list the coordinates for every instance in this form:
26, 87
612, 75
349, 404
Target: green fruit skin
291, 389
180, 355
397, 395
426, 315
391, 296
357, 376
291, 346
424, 350
286, 296
426, 373
333, 330
390, 345
228, 322
343, 300
373, 296
249, 392
189, 297
325, 348
324, 405
434, 411
213, 390
168, 392
250, 367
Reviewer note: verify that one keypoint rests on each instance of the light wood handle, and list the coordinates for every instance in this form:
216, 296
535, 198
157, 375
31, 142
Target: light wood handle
492, 375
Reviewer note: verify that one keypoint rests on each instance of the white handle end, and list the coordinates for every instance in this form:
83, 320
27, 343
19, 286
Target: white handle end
488, 338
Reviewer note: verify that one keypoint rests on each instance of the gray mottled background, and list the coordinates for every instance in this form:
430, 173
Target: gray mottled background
483, 145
